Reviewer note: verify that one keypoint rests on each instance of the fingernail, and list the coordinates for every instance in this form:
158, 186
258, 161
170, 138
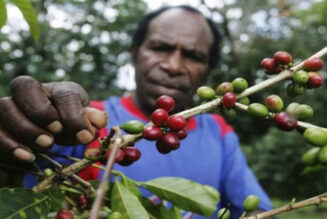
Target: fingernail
24, 155
44, 140
55, 127
84, 136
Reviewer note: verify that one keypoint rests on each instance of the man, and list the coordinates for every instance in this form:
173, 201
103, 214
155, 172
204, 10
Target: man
172, 52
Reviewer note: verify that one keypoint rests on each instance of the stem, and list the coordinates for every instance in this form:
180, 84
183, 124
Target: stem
243, 215
94, 214
316, 200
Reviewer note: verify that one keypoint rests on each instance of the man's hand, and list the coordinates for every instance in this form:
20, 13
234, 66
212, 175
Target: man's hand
37, 115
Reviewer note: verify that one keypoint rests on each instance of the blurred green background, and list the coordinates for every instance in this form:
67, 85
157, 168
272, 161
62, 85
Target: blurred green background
87, 41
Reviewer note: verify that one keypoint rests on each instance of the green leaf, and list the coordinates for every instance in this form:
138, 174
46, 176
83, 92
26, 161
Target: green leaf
22, 203
3, 13
131, 185
185, 194
56, 198
126, 203
30, 16
159, 211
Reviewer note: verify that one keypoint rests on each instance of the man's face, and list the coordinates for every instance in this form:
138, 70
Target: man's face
173, 58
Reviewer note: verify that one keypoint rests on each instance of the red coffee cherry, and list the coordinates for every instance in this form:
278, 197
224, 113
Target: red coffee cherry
282, 57
273, 71
162, 147
285, 122
65, 214
181, 134
229, 99
313, 64
268, 63
92, 153
132, 154
171, 141
119, 157
315, 80
82, 201
125, 163
176, 122
152, 133
159, 117
165, 102
274, 103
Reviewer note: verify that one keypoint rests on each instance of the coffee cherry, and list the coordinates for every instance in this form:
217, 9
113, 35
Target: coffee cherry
313, 64
274, 103
152, 133
315, 80
285, 122
133, 127
159, 117
225, 87
92, 153
251, 203
132, 154
229, 99
322, 155
82, 201
290, 90
119, 157
309, 158
244, 100
176, 122
293, 109
273, 71
258, 109
181, 134
65, 214
306, 112
239, 85
162, 147
115, 215
171, 141
282, 57
301, 77
165, 102
206, 93
299, 89
48, 171
315, 136
268, 63
223, 214
125, 163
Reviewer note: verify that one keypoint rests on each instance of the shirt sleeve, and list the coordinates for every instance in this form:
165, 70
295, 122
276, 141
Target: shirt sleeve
238, 180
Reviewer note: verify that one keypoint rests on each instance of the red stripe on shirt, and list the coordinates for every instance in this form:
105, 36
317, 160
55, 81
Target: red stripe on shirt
224, 127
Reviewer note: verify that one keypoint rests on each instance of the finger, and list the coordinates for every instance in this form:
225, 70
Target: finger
20, 127
37, 105
69, 102
10, 147
98, 118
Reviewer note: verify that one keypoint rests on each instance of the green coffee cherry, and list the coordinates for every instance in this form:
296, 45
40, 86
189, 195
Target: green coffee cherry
299, 89
221, 212
306, 112
251, 203
293, 109
274, 103
258, 109
315, 136
115, 215
309, 158
290, 90
205, 93
48, 171
229, 112
133, 127
225, 87
301, 77
322, 155
244, 100
239, 85
92, 154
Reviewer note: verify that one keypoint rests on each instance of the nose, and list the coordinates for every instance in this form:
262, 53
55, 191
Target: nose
174, 63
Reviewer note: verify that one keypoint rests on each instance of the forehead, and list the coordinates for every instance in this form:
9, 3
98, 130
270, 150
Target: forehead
178, 26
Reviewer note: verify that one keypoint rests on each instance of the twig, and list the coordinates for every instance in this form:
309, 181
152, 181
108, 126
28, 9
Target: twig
94, 214
207, 107
317, 200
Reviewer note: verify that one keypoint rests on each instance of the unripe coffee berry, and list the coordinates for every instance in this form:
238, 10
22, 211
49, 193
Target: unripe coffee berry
132, 154
133, 127
274, 103
293, 109
244, 100
223, 214
309, 158
225, 87
65, 214
159, 117
315, 80
239, 84
229, 99
322, 155
115, 215
301, 77
92, 153
152, 133
165, 102
206, 93
306, 112
251, 203
258, 109
285, 122
313, 64
171, 141
315, 136
282, 57
82, 201
176, 122
268, 63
